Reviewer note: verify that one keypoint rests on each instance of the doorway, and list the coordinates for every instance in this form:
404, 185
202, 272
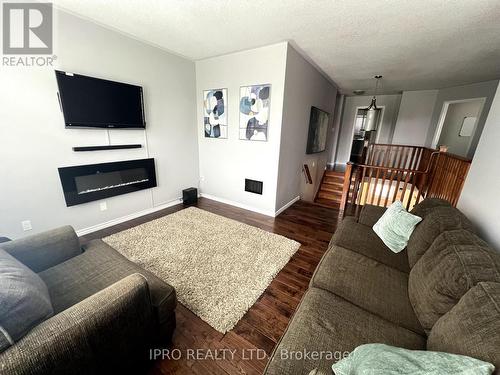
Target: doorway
457, 126
361, 138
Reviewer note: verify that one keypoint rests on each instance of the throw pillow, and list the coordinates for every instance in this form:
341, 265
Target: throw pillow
25, 300
380, 359
395, 226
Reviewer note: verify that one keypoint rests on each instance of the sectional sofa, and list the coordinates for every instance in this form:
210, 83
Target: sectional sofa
107, 311
441, 293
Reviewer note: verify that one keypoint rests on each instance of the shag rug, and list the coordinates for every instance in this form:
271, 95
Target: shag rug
218, 266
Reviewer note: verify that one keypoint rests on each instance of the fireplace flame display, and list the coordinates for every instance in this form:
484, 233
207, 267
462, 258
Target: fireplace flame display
110, 180
112, 186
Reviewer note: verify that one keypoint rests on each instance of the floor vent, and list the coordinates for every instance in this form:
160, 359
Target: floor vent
253, 186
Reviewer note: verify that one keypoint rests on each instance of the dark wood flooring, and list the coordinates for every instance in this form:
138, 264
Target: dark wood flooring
245, 349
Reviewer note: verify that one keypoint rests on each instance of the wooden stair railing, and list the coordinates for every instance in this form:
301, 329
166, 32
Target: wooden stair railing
307, 174
447, 177
381, 186
405, 173
396, 156
347, 186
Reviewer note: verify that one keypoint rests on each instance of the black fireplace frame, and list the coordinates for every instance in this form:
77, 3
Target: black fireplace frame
68, 174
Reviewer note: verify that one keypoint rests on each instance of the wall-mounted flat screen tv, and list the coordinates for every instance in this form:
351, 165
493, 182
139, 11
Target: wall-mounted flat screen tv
98, 103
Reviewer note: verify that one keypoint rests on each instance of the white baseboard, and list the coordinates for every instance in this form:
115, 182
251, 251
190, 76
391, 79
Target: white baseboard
237, 204
287, 205
94, 228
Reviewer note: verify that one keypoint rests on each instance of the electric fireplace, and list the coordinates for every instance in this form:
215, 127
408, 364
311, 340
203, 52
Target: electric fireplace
87, 183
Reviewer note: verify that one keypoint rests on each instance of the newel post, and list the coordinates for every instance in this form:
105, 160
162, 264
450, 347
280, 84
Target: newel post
346, 187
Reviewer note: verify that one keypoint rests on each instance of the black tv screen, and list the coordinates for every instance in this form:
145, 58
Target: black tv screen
99, 103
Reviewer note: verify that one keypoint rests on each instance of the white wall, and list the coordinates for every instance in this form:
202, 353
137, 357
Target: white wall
479, 199
386, 128
476, 90
414, 118
225, 163
34, 142
305, 86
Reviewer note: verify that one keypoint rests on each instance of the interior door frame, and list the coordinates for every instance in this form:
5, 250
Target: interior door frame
444, 112
381, 121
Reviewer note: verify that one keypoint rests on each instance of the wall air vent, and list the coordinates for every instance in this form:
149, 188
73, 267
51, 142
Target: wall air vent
253, 186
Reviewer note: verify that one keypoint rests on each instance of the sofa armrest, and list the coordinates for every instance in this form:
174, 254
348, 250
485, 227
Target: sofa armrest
103, 333
44, 250
370, 214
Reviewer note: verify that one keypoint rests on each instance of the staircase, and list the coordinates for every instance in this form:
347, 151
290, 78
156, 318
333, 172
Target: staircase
330, 191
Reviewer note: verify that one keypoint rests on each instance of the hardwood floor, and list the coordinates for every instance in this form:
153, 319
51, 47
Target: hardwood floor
245, 349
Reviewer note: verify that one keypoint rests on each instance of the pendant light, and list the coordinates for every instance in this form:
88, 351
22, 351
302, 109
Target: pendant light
372, 112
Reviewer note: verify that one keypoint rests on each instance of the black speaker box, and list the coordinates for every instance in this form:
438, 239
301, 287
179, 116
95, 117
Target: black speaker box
190, 196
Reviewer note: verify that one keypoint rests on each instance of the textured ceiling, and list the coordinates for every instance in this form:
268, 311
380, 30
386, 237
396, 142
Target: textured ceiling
414, 44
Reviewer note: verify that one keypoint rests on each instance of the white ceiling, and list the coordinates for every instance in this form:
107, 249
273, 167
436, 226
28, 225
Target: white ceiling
414, 44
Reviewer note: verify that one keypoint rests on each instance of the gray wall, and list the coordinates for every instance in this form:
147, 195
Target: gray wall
34, 142
475, 90
225, 163
450, 134
386, 129
479, 199
414, 118
337, 121
305, 86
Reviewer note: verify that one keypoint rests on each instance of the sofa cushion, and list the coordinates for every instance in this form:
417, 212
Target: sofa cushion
25, 300
444, 274
437, 221
472, 327
363, 240
427, 205
456, 237
369, 284
331, 327
97, 268
43, 250
370, 214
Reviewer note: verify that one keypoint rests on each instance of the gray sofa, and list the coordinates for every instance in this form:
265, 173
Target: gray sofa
441, 293
108, 311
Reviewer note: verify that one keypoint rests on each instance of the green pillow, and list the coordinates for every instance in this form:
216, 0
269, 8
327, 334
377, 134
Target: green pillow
380, 359
396, 226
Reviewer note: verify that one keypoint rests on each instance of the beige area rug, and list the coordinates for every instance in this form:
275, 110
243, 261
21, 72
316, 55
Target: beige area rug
218, 266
